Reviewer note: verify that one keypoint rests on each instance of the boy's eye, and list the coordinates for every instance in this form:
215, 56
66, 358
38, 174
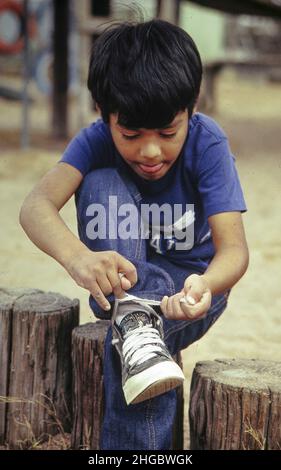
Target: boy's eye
135, 136
168, 136
130, 136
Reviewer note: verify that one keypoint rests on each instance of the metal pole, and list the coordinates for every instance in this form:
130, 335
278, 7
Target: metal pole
26, 77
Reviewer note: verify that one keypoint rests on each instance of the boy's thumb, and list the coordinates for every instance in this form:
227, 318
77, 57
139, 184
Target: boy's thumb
191, 296
125, 283
188, 299
127, 270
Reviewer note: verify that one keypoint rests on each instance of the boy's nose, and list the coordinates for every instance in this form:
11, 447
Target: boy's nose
150, 150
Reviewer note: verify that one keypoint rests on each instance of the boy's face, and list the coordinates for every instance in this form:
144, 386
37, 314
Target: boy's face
150, 152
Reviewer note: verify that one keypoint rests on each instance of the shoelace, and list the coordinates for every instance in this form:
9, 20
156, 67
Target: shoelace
142, 344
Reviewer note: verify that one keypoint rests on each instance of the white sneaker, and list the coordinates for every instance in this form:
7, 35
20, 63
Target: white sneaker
148, 368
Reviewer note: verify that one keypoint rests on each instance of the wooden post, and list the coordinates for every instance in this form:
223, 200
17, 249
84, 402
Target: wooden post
35, 364
207, 98
168, 11
85, 106
60, 72
25, 128
235, 405
88, 398
87, 356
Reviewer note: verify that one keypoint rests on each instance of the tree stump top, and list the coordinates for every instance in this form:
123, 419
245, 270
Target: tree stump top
91, 330
34, 301
245, 373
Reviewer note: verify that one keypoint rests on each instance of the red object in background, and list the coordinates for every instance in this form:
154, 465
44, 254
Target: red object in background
17, 9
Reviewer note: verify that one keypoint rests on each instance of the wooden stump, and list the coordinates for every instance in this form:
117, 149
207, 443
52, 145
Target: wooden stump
235, 404
87, 357
88, 395
35, 364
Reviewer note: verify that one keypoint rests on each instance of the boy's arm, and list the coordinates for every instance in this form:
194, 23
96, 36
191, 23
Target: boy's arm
39, 217
232, 256
227, 267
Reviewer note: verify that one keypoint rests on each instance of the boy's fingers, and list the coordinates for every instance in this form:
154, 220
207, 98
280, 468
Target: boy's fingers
163, 304
193, 289
174, 308
99, 297
187, 299
207, 299
104, 284
199, 309
131, 275
116, 286
177, 310
185, 307
125, 283
193, 295
189, 311
127, 268
170, 307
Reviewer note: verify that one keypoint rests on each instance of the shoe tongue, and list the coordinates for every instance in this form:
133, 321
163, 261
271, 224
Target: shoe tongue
134, 320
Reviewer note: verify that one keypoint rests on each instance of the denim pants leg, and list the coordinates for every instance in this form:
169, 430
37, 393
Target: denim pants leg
105, 191
147, 425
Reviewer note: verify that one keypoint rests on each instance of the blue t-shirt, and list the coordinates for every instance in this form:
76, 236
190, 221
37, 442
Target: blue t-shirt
202, 182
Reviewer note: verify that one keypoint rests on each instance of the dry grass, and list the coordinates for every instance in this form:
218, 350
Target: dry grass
45, 441
256, 435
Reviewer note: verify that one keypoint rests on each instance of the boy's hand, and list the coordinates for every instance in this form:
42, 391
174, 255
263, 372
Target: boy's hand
100, 273
191, 303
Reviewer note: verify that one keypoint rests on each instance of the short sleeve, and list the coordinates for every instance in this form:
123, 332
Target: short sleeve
90, 149
218, 182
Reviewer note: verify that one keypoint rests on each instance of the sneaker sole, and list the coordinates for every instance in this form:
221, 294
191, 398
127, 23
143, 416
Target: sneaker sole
152, 382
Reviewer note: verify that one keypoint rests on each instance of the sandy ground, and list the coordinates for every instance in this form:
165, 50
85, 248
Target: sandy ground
250, 113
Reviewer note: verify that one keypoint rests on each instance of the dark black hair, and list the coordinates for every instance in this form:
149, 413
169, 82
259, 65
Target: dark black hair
146, 72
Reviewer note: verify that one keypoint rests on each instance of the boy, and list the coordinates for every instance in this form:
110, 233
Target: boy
159, 215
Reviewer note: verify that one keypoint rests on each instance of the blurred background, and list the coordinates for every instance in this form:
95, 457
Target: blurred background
44, 49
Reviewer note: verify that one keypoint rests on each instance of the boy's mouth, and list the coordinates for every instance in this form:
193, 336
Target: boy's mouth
150, 169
